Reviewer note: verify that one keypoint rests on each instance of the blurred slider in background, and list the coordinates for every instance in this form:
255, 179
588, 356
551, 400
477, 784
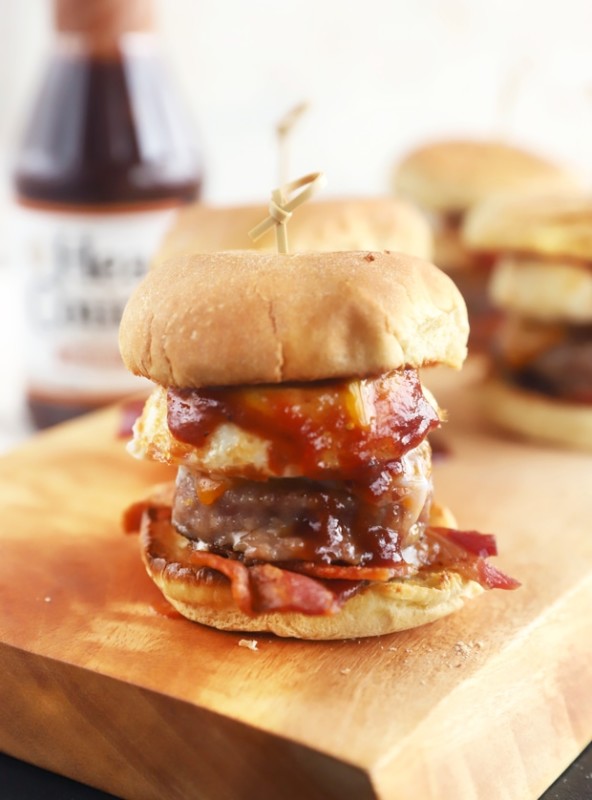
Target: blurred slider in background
107, 156
381, 223
542, 280
449, 177
334, 224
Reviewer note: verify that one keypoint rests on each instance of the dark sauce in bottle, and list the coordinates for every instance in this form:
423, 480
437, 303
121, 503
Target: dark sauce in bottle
107, 156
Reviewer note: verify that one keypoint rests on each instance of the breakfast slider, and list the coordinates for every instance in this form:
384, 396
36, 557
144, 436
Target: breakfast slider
542, 387
370, 223
447, 178
288, 395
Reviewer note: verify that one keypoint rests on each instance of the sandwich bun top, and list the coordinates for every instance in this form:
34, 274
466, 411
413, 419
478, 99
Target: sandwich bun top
453, 175
351, 224
248, 318
549, 225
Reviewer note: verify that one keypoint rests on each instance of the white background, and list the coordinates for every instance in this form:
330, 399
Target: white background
380, 75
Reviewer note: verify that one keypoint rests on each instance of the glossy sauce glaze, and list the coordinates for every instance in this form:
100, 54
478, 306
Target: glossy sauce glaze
334, 429
298, 519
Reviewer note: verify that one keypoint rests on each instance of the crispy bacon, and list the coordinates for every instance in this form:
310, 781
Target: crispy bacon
465, 552
491, 577
349, 573
322, 588
256, 589
235, 571
131, 518
265, 588
157, 506
480, 544
306, 587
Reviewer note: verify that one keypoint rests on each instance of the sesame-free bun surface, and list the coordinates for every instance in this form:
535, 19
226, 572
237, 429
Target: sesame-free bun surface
550, 225
535, 416
382, 223
546, 290
453, 175
248, 318
378, 609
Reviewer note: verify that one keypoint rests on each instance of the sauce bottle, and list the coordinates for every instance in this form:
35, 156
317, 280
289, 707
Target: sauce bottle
107, 157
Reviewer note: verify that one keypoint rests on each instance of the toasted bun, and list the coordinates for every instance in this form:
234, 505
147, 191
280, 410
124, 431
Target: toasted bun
247, 318
550, 225
350, 224
451, 176
543, 290
535, 416
377, 609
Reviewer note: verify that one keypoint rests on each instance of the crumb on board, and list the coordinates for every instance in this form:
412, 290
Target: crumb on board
250, 644
47, 599
345, 670
465, 649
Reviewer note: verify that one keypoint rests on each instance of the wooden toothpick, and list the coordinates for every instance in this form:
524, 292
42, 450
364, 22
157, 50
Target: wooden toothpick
284, 130
511, 85
281, 207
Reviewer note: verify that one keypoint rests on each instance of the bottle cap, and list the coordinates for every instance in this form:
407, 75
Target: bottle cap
102, 22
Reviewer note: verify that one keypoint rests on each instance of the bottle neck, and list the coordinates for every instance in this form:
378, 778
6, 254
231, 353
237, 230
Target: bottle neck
100, 24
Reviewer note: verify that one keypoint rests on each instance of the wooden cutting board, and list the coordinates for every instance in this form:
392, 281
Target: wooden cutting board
98, 680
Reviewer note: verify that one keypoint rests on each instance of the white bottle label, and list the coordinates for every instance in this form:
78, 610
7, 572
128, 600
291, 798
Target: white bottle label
78, 271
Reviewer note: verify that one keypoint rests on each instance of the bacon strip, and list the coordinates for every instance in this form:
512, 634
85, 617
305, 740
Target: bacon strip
480, 544
131, 518
264, 587
317, 589
465, 552
460, 551
235, 571
349, 573
276, 589
157, 506
491, 577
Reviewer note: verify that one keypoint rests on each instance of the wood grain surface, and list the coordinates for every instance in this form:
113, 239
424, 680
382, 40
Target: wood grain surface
101, 682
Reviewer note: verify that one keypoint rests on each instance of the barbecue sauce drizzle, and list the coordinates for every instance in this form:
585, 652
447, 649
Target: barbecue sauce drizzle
321, 428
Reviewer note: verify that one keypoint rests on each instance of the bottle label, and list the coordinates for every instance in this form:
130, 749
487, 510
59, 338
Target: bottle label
78, 271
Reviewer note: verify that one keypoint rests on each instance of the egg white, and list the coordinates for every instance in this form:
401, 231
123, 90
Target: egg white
229, 449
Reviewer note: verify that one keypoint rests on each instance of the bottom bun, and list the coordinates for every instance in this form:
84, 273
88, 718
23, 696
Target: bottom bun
377, 609
535, 416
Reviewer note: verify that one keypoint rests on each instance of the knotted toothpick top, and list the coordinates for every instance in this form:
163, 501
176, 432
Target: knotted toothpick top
285, 131
282, 205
